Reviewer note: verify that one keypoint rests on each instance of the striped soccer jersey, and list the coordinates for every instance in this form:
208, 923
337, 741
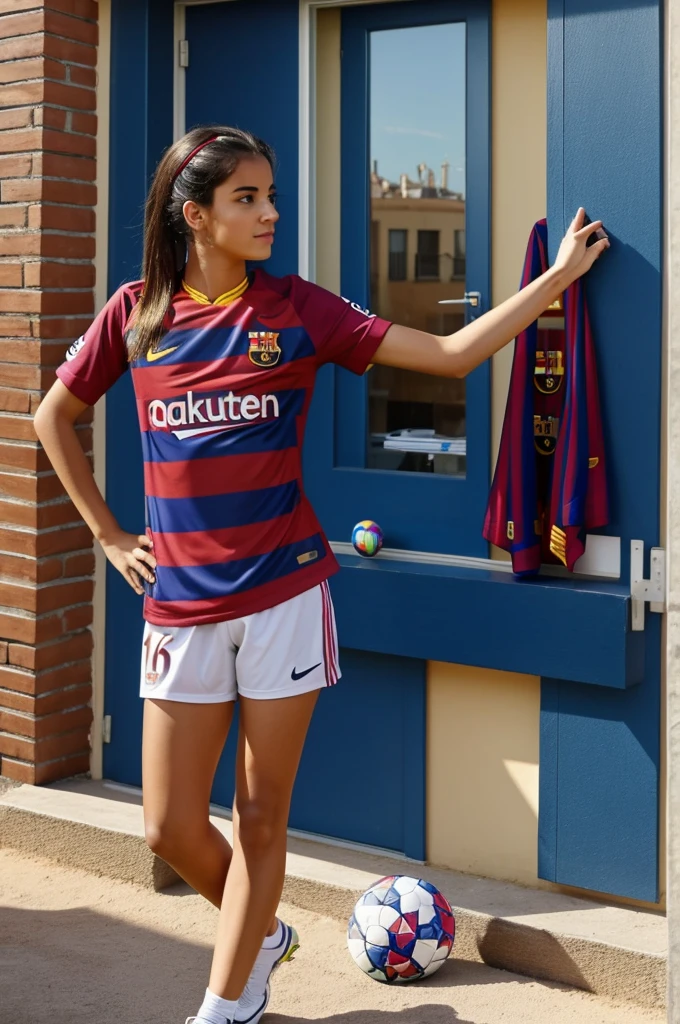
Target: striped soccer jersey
222, 405
550, 485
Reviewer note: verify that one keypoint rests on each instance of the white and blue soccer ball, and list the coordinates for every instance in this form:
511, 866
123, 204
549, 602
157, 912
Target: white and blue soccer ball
402, 929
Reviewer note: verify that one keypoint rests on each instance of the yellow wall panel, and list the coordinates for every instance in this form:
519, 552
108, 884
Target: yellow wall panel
519, 141
482, 771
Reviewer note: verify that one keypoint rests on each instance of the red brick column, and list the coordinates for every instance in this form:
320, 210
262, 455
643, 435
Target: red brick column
47, 194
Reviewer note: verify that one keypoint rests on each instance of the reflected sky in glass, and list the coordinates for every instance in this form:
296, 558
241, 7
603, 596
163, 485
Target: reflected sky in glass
418, 101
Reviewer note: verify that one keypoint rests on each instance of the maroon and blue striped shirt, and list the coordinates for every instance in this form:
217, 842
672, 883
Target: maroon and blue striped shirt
222, 406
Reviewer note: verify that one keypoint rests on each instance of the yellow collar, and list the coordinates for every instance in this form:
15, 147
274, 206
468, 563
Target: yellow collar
222, 300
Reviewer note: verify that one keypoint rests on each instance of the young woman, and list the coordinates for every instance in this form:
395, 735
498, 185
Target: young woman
234, 565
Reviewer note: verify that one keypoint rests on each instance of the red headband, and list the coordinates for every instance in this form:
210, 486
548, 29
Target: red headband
192, 154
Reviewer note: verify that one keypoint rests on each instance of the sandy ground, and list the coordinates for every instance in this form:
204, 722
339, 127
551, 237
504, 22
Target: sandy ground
76, 949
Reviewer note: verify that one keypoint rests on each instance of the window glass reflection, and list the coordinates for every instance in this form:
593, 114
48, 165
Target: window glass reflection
417, 238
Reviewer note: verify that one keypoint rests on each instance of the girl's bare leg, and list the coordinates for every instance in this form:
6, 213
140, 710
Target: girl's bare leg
272, 735
180, 750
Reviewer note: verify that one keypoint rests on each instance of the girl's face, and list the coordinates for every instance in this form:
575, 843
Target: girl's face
241, 220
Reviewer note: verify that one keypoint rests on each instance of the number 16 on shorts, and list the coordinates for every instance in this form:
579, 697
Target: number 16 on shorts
156, 657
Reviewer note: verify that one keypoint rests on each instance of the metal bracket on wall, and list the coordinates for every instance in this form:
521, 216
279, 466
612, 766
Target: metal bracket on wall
642, 591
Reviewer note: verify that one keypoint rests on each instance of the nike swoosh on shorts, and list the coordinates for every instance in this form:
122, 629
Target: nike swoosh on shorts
300, 675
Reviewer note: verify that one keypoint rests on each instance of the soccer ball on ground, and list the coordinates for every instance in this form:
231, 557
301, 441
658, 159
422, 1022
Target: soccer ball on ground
402, 929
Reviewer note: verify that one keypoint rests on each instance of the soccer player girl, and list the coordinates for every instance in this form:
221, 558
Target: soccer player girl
233, 564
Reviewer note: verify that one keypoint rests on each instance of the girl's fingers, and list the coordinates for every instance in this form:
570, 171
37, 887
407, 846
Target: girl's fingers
144, 541
588, 230
140, 568
132, 579
596, 250
144, 556
599, 247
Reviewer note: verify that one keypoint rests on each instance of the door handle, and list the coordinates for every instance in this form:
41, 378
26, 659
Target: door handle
471, 299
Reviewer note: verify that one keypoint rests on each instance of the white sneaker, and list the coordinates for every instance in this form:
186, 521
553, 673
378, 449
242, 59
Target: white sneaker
255, 996
190, 1020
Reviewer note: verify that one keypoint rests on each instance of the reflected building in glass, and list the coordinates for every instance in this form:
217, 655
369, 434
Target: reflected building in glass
417, 259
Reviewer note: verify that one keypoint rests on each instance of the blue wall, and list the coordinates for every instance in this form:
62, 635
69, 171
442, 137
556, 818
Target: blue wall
600, 751
243, 71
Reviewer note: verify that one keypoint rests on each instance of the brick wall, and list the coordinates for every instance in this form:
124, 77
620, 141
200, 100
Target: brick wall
47, 193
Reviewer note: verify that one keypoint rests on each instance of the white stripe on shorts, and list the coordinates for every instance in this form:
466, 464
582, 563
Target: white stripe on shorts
330, 654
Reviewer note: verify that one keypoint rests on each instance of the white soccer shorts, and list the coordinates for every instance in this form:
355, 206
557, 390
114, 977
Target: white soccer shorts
283, 651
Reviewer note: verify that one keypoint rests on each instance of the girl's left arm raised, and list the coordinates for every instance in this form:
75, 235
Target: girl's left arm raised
459, 353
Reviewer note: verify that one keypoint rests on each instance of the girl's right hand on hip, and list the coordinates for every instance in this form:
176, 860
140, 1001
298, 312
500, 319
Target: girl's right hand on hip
131, 554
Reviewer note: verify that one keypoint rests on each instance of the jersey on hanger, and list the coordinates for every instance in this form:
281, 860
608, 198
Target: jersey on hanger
550, 484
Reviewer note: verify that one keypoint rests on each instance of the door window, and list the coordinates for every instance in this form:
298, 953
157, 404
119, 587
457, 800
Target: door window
410, 450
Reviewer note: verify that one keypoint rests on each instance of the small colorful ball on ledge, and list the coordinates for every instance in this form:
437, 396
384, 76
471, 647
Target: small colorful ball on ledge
367, 538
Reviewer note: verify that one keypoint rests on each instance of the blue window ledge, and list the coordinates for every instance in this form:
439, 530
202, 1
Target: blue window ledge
572, 629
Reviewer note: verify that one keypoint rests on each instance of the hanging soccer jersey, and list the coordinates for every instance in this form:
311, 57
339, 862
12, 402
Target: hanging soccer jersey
550, 487
222, 405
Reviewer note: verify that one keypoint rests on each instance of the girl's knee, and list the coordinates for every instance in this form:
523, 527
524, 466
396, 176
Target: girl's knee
156, 835
259, 826
169, 838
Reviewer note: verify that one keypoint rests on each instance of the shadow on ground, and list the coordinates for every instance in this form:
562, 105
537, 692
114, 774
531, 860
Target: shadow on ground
80, 965
429, 1013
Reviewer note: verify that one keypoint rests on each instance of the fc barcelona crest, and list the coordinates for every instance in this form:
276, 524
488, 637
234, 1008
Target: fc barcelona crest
263, 349
546, 430
549, 371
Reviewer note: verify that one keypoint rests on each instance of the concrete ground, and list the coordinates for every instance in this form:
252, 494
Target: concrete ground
79, 949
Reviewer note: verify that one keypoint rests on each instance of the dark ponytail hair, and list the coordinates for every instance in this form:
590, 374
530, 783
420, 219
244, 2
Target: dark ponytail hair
180, 177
